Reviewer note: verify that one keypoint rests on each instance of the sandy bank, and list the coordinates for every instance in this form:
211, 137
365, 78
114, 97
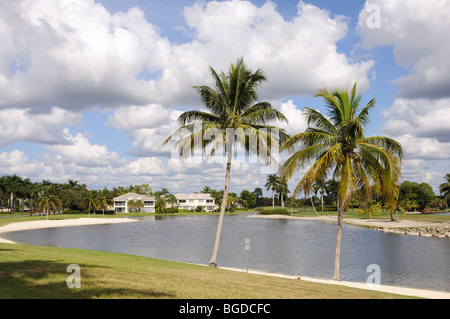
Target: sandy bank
364, 222
57, 223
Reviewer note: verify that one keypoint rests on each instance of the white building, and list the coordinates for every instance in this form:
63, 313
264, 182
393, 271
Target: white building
121, 203
192, 201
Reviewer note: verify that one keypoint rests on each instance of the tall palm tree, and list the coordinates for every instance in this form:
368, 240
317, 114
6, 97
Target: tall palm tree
336, 144
272, 183
48, 199
235, 118
444, 188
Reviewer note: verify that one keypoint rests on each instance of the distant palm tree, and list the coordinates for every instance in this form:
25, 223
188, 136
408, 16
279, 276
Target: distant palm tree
371, 208
160, 205
272, 183
12, 184
320, 187
235, 118
444, 189
139, 204
282, 189
172, 200
131, 205
104, 200
48, 199
336, 144
89, 200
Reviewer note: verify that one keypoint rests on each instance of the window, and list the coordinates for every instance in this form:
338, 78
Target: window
182, 201
149, 203
119, 203
210, 201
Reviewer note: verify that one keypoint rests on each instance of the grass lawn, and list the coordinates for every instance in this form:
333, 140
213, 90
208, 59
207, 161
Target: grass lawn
353, 213
28, 272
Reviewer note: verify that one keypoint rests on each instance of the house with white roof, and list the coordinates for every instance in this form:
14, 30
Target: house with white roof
190, 201
121, 203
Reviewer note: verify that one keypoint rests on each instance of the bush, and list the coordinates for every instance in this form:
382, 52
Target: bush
272, 211
171, 210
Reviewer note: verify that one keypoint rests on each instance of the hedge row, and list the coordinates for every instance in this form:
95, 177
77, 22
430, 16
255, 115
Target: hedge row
277, 211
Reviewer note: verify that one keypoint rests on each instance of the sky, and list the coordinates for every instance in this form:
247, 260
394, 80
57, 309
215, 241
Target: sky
89, 90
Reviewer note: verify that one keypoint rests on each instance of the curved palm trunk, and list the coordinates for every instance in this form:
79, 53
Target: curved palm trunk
213, 262
312, 203
337, 256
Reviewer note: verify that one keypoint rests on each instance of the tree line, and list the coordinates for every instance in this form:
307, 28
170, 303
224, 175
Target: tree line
18, 194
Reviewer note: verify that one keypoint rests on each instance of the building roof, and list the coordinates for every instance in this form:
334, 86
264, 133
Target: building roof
133, 196
193, 196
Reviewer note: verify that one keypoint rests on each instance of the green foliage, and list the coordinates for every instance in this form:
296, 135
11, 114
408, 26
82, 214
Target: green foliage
277, 211
416, 196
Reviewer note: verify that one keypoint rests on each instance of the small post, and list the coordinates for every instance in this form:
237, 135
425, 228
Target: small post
247, 248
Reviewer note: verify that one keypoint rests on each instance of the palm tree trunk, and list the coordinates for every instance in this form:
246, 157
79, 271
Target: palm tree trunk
213, 262
273, 199
322, 200
337, 256
312, 203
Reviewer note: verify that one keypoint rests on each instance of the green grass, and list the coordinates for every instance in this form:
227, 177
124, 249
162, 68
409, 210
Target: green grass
353, 213
28, 272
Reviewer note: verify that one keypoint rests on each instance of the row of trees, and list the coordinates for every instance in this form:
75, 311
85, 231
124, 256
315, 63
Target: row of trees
20, 194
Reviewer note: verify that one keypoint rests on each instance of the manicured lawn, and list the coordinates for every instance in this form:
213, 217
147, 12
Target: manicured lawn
40, 272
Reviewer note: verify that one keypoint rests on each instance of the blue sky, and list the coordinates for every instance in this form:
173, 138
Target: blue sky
90, 89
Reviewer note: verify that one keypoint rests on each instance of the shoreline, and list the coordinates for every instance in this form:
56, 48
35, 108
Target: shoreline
415, 292
371, 223
38, 224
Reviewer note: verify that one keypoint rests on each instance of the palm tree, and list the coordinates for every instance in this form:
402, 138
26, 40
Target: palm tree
131, 205
48, 199
12, 185
104, 200
320, 187
371, 208
89, 201
235, 119
139, 204
172, 200
336, 144
160, 205
282, 190
444, 188
272, 182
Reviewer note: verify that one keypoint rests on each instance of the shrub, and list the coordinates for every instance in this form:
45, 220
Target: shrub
273, 211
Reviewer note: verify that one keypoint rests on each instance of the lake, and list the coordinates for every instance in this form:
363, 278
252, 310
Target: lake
283, 246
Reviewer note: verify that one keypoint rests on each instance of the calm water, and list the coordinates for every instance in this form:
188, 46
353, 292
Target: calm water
281, 246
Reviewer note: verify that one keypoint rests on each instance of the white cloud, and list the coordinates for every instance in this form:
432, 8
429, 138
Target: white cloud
147, 126
296, 119
421, 118
298, 56
22, 125
77, 55
418, 33
78, 150
74, 54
